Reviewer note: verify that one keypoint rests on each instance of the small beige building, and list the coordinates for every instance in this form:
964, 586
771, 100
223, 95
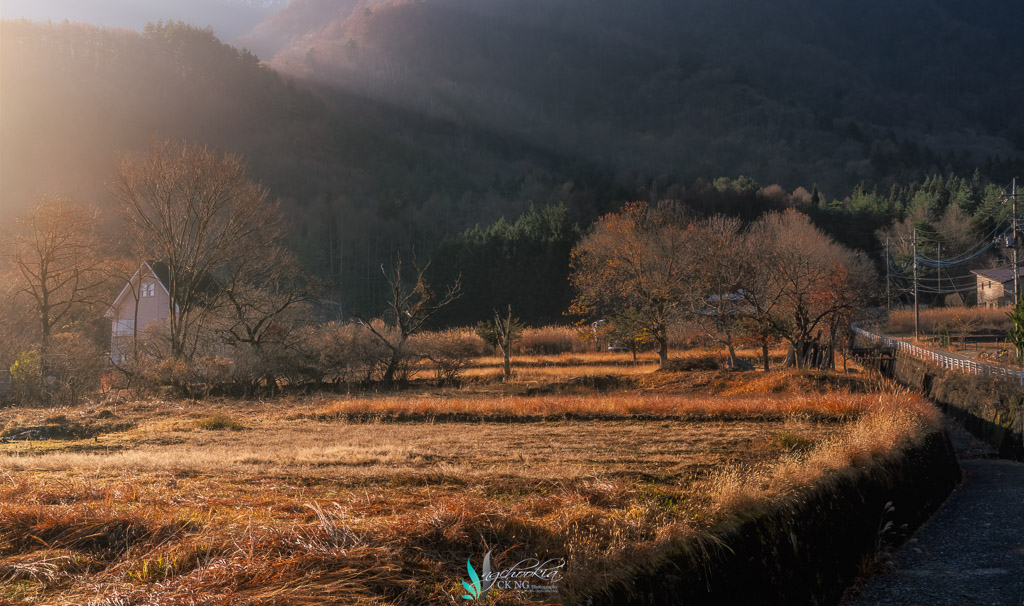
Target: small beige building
144, 301
995, 286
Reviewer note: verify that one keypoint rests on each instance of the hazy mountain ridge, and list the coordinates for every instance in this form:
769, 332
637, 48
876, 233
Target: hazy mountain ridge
75, 95
228, 18
359, 180
695, 88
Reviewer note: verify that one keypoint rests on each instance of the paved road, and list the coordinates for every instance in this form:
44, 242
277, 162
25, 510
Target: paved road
971, 552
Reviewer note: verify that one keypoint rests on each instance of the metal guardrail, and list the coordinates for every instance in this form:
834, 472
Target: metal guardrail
945, 361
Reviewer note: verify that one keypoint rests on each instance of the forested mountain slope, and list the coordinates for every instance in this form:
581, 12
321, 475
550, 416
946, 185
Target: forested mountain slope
795, 91
359, 179
387, 126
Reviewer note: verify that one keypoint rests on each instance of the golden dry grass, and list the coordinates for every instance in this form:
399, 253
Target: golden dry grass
546, 373
380, 498
901, 321
599, 405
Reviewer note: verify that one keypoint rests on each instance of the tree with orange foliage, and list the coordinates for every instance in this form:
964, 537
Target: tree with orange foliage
722, 270
807, 287
635, 258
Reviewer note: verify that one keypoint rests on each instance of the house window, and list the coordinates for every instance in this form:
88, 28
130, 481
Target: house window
124, 326
149, 290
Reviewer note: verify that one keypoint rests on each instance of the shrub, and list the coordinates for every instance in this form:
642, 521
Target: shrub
162, 373
954, 300
27, 377
336, 352
208, 373
250, 365
76, 363
449, 351
196, 378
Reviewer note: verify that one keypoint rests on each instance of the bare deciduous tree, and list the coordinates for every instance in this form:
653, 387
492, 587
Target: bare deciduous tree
408, 310
262, 293
197, 211
55, 252
501, 332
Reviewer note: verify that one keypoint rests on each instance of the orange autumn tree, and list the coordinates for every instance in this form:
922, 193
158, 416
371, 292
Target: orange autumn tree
635, 259
722, 271
808, 285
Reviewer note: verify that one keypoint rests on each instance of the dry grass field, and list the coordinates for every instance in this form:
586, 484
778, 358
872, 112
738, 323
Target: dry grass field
380, 498
953, 319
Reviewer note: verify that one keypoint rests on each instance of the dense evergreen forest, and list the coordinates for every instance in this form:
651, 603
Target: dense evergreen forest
487, 136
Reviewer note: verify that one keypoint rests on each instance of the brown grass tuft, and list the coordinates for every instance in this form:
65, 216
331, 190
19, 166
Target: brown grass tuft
219, 422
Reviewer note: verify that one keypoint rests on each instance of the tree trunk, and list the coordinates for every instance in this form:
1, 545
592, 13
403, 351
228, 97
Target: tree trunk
828, 358
734, 362
764, 355
44, 348
135, 327
389, 372
662, 351
506, 351
396, 359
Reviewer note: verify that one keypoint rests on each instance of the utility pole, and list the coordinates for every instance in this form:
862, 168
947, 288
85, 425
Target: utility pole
1013, 222
917, 310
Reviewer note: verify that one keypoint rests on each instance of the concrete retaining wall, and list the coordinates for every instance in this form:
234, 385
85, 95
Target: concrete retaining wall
809, 548
992, 410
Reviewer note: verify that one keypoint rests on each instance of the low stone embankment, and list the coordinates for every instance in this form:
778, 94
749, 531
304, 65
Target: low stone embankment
811, 546
991, 409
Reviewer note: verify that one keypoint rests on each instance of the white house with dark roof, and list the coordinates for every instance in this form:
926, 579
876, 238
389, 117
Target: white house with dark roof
995, 286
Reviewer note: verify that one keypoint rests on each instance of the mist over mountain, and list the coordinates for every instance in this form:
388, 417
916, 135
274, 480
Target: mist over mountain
359, 180
792, 92
228, 18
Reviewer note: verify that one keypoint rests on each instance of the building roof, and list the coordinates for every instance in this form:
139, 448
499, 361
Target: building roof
999, 274
208, 286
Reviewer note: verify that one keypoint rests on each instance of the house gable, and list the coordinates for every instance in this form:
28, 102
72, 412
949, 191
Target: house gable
127, 291
143, 301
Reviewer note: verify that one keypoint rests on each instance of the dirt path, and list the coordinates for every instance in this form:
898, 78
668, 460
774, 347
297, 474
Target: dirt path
971, 551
